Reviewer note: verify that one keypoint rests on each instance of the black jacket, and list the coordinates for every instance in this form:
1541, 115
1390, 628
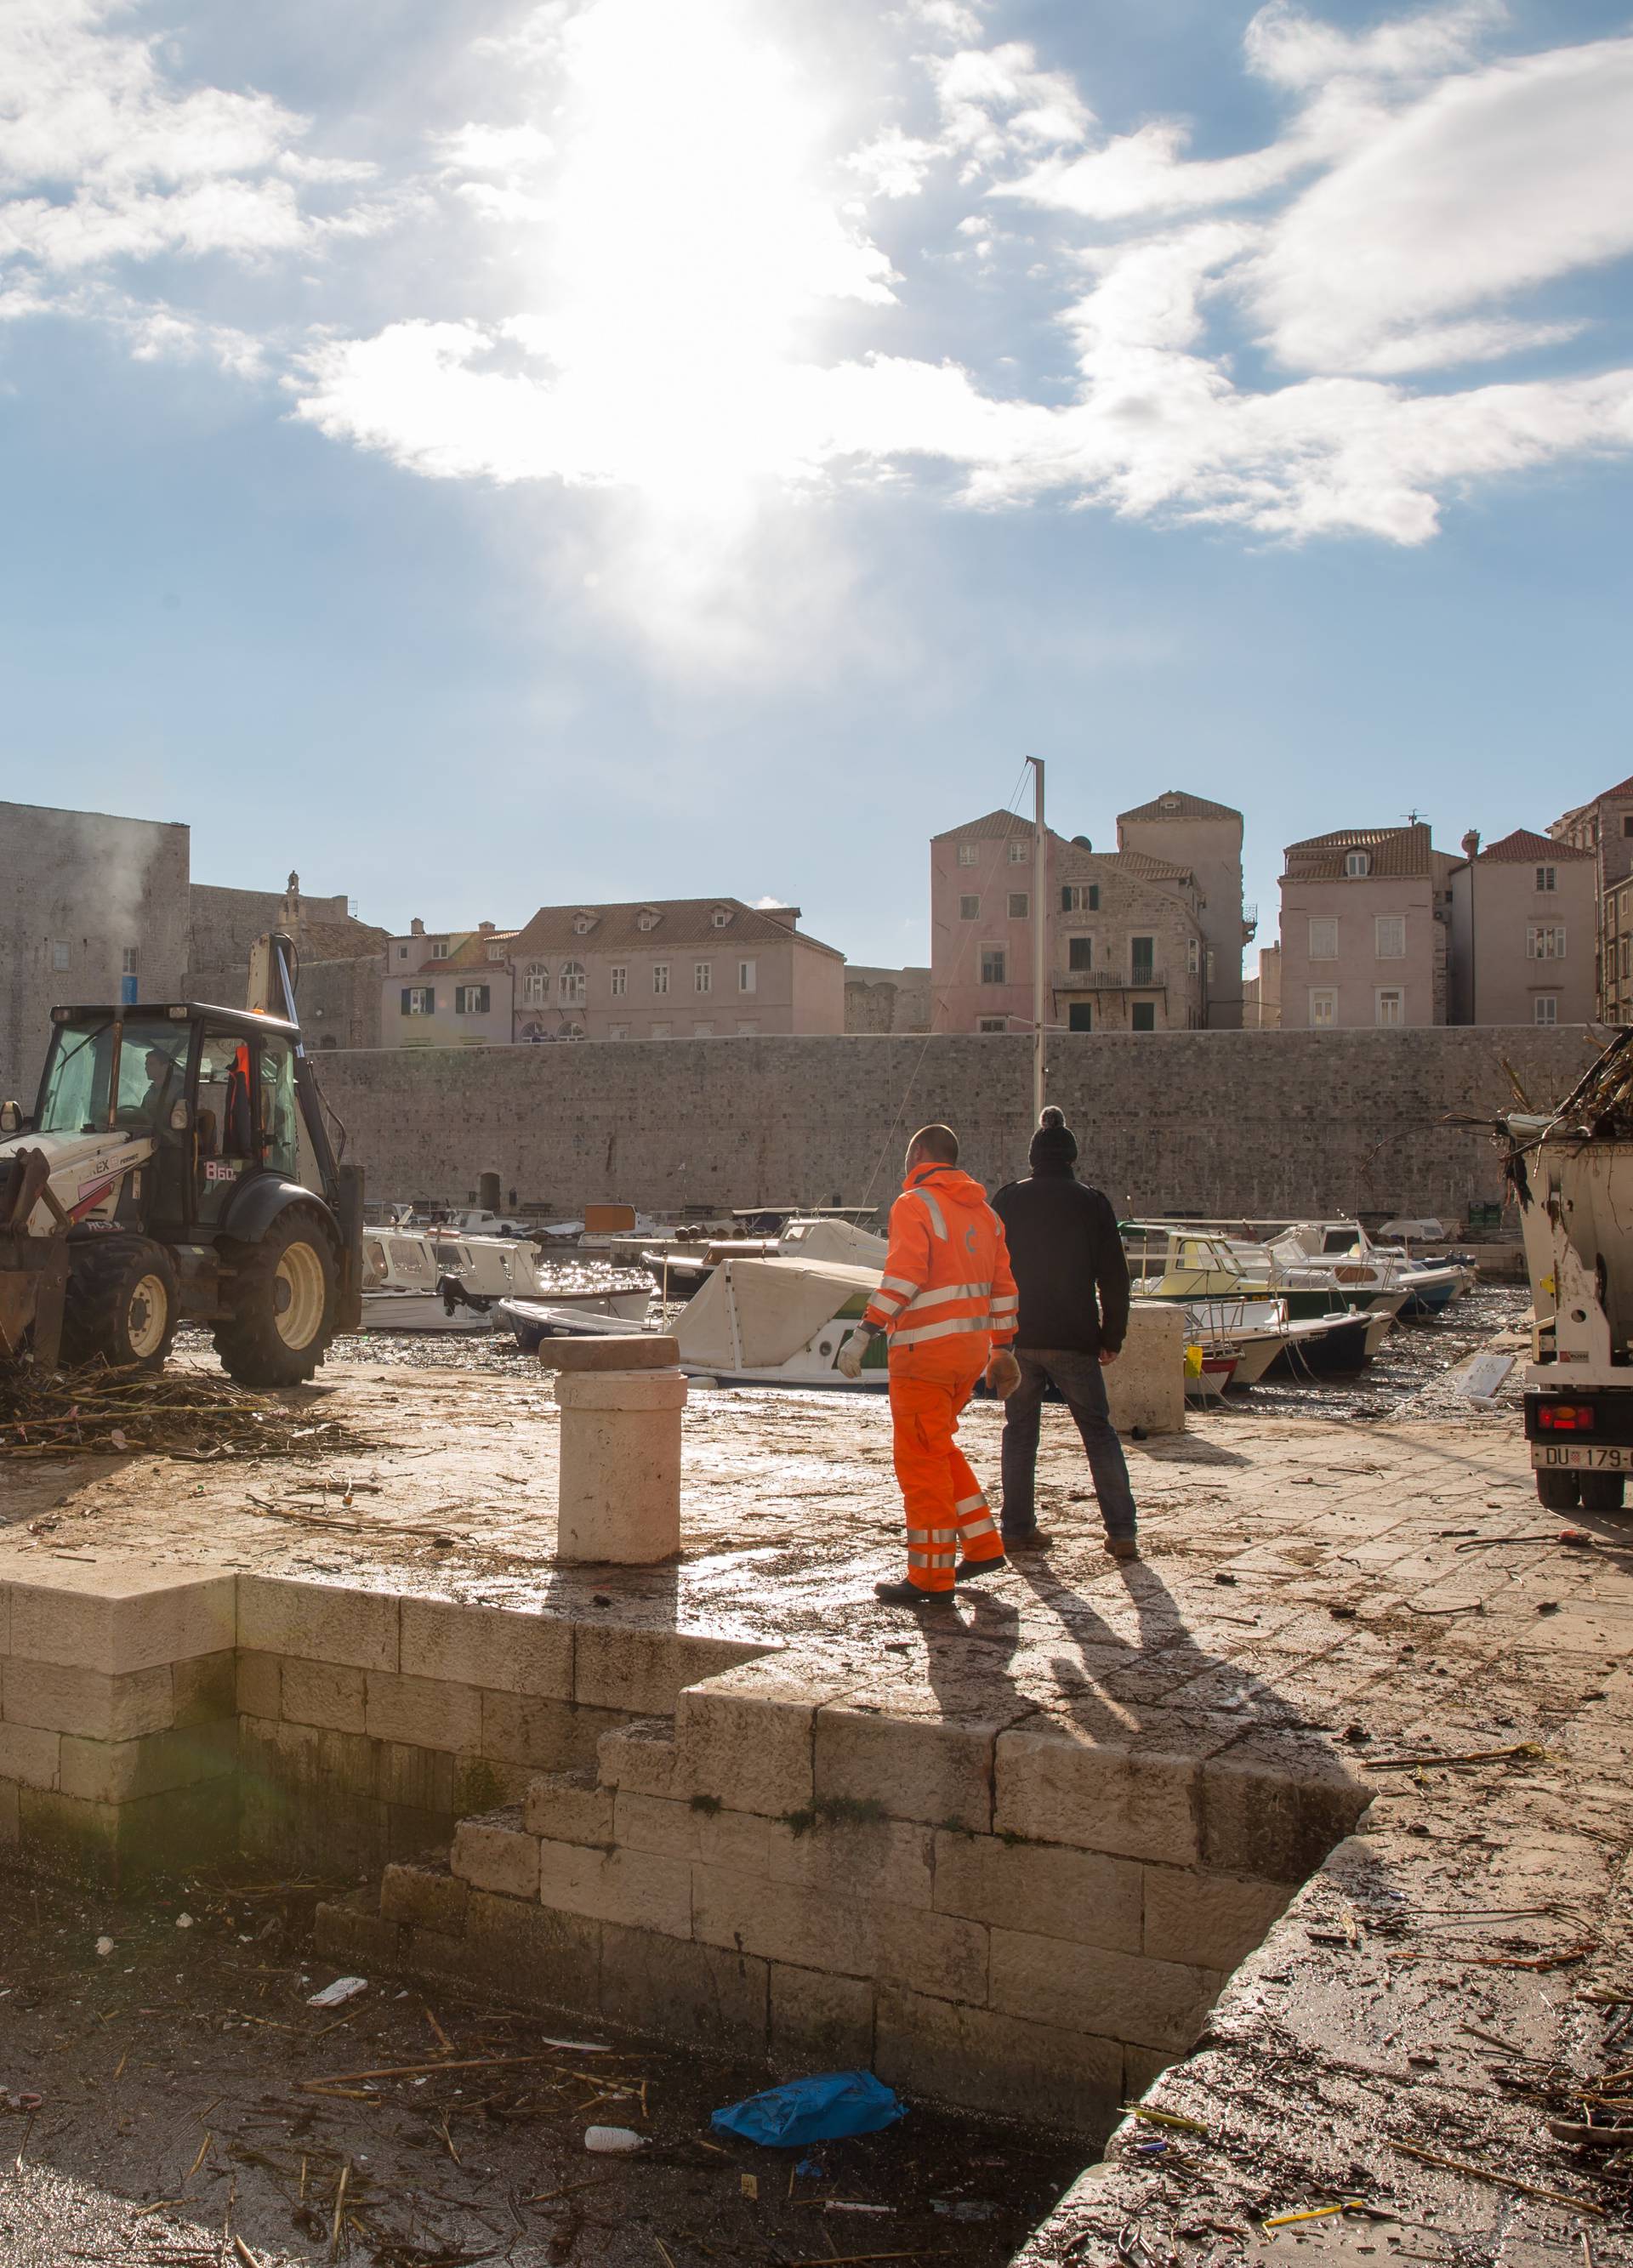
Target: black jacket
1065, 1250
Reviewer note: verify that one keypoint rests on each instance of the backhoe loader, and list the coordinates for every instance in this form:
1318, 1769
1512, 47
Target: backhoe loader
177, 1166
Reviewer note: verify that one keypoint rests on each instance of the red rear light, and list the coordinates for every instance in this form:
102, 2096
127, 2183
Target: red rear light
1564, 1417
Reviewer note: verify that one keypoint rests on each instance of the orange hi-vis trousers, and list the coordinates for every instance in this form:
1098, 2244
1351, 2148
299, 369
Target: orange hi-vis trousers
946, 1505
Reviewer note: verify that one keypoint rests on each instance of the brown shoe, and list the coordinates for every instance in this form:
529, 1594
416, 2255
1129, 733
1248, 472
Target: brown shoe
1030, 1539
1122, 1547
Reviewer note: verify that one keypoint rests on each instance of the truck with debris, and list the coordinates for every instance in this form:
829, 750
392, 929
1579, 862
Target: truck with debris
177, 1165
1572, 1174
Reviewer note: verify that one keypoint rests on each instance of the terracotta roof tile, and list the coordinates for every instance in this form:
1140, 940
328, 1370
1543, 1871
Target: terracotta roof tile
996, 822
1395, 851
682, 922
1521, 847
1179, 803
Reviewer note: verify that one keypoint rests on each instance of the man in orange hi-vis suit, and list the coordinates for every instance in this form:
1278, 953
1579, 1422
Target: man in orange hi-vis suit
947, 1301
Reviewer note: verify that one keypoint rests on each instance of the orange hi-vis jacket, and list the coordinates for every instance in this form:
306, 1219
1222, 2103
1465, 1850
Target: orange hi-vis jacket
948, 1297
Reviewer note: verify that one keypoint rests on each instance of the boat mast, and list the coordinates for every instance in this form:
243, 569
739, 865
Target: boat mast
1040, 933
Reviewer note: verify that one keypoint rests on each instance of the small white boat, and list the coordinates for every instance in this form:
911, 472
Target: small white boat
436, 1280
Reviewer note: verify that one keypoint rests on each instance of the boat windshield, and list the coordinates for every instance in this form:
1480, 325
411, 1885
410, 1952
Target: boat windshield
78, 1096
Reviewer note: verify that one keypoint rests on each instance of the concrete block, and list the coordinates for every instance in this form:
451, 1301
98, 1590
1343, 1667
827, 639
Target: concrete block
1056, 1784
1119, 1996
314, 1765
639, 1757
1275, 1804
622, 1351
416, 1835
322, 1693
425, 1896
931, 1953
643, 1671
820, 2022
119, 1772
696, 1993
925, 1768
118, 1616
986, 2060
63, 1699
630, 1887
887, 1858
517, 1951
481, 1784
741, 1839
30, 1755
746, 1737
422, 1711
1211, 1920
1145, 1386
345, 1931
260, 1684
618, 1498
495, 1854
9, 1811
154, 1833
807, 1929
204, 1688
521, 1729
493, 1647
570, 1807
415, 1779
1085, 1896
319, 1622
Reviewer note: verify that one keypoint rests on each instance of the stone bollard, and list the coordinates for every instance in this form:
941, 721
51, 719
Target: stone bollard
621, 1400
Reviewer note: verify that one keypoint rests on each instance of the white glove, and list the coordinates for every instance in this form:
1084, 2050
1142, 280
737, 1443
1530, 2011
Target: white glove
849, 1361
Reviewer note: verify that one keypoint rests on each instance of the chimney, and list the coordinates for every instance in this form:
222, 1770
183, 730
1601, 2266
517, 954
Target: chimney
787, 917
416, 928
486, 928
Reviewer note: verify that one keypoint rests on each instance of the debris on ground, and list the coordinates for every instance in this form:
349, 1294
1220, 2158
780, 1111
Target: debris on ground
824, 2107
191, 1414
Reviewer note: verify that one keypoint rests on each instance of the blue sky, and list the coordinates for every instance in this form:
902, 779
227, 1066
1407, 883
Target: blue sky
526, 453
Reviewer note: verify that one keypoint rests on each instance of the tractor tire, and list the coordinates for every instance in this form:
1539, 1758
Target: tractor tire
282, 1296
1600, 1492
122, 1304
1557, 1489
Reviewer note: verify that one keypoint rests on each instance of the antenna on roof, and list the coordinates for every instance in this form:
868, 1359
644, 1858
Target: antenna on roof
1413, 818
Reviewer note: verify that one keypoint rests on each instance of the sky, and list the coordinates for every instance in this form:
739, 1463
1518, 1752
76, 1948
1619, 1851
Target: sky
525, 454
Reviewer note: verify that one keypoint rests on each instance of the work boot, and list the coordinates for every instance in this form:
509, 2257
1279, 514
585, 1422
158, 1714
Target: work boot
1027, 1539
911, 1595
1122, 1547
971, 1570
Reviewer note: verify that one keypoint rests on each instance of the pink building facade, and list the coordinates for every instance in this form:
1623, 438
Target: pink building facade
1524, 933
1365, 930
1125, 948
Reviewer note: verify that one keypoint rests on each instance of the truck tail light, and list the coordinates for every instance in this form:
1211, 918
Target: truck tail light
1565, 1417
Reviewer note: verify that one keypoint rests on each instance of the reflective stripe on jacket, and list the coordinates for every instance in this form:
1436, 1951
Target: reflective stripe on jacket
947, 1295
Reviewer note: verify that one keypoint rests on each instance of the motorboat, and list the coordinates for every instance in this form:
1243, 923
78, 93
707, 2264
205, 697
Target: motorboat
438, 1280
759, 1319
1228, 1286
1266, 1340
1355, 1260
681, 1271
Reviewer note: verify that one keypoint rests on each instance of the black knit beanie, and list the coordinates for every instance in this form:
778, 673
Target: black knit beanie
1054, 1146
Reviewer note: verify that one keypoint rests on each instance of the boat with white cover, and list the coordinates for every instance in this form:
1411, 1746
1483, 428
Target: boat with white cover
437, 1280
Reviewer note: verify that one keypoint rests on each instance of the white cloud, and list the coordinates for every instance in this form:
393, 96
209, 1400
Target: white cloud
994, 100
1497, 181
1292, 49
895, 164
151, 168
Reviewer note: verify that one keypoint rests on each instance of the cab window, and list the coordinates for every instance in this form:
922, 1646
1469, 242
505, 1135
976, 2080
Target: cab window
280, 1111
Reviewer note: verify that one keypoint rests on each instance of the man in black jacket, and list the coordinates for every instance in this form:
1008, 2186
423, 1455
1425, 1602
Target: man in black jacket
1073, 1280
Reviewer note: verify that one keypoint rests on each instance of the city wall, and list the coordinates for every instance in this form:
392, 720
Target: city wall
1256, 1123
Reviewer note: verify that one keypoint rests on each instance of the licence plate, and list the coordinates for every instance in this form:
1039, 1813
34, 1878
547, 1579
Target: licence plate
1580, 1457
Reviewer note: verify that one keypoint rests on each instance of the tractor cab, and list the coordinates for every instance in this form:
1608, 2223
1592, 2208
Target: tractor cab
178, 1166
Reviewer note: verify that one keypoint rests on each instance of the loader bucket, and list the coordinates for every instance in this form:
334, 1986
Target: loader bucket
33, 1270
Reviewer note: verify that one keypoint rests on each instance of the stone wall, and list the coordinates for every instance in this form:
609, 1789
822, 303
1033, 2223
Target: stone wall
1254, 1123
339, 1001
886, 999
82, 886
225, 923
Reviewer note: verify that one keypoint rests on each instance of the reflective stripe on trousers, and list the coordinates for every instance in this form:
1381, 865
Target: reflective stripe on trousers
945, 1504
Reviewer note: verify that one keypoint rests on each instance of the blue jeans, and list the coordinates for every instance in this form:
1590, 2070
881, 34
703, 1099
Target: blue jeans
1081, 1386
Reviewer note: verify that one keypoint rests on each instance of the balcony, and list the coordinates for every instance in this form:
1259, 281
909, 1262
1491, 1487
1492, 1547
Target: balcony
1110, 980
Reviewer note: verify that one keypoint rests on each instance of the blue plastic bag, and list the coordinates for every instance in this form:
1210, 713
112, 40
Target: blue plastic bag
822, 2108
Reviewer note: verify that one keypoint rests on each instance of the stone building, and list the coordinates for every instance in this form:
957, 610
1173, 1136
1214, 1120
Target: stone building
1125, 947
1365, 930
886, 999
1189, 834
1603, 827
1524, 934
93, 909
668, 968
342, 959
1261, 995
